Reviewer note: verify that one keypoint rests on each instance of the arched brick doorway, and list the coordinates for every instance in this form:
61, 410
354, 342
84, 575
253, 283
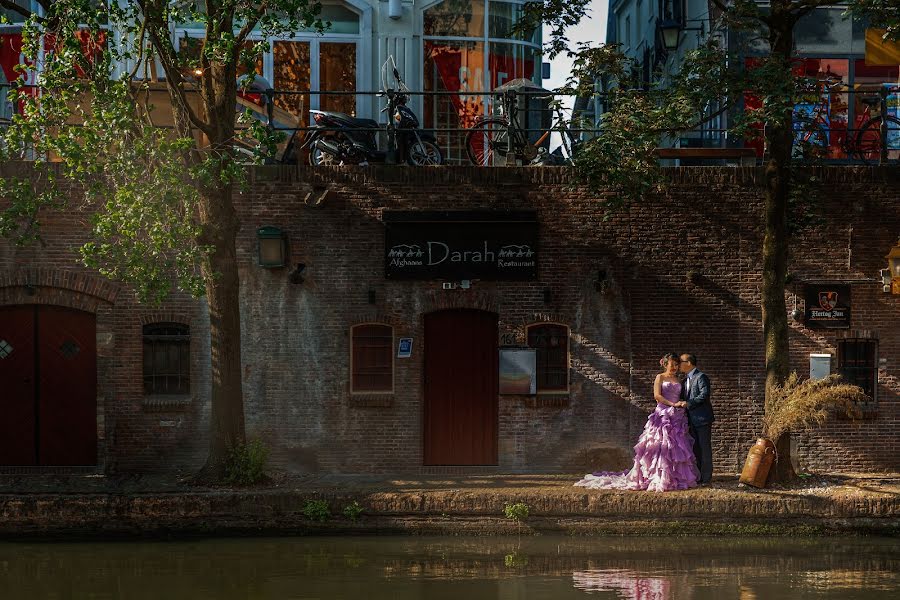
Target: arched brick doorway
461, 382
48, 368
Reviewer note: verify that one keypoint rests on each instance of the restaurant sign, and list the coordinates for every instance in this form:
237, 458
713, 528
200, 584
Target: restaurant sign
458, 245
827, 306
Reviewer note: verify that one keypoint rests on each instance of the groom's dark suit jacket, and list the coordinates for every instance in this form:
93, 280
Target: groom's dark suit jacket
699, 408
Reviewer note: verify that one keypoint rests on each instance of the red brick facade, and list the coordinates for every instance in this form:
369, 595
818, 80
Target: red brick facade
680, 273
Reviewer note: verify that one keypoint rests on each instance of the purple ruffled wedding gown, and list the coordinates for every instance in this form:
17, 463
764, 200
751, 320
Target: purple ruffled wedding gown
663, 456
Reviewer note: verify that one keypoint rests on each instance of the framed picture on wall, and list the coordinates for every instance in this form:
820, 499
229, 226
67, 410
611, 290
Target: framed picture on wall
518, 371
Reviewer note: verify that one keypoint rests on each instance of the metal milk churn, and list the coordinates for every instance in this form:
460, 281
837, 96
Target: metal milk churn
759, 461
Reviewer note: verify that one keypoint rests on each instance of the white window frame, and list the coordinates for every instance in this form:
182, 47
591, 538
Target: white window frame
485, 39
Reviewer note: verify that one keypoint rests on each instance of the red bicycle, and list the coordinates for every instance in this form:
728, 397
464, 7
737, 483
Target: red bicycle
813, 127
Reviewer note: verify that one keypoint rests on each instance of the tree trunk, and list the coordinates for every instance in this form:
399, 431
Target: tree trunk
220, 223
223, 297
779, 139
217, 216
783, 471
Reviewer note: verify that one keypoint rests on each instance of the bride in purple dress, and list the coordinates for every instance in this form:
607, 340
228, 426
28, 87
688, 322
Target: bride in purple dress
664, 454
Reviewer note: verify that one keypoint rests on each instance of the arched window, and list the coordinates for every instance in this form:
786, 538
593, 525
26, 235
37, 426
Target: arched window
371, 359
552, 357
167, 359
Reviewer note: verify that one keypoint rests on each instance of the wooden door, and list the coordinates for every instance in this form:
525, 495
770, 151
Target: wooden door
18, 400
48, 370
67, 392
461, 383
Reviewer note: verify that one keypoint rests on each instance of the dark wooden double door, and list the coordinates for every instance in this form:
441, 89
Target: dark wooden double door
461, 384
48, 374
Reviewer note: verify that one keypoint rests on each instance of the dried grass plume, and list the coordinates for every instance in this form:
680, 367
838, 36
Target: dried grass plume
800, 403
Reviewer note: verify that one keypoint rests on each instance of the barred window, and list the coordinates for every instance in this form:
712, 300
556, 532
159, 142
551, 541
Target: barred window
552, 357
858, 363
372, 358
167, 359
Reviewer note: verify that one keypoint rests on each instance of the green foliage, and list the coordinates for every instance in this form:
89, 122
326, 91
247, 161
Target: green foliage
555, 16
639, 116
353, 510
881, 14
517, 512
246, 463
141, 186
317, 510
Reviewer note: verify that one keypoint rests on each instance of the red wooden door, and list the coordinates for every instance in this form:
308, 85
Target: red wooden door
67, 389
48, 369
461, 383
18, 402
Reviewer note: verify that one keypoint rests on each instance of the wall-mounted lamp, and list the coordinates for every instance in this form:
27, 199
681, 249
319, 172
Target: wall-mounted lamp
272, 247
601, 282
395, 9
296, 275
670, 31
371, 296
893, 270
548, 295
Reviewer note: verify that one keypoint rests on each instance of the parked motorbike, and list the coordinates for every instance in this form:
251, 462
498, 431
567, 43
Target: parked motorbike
339, 139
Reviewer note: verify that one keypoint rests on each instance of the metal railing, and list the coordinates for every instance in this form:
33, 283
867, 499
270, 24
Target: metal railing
820, 128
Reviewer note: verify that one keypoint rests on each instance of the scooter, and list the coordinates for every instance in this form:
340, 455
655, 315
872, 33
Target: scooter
339, 139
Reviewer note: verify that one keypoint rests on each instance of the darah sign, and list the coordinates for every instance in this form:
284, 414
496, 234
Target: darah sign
456, 245
828, 306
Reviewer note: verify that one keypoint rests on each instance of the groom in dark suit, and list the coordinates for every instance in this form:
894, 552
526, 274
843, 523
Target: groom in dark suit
695, 394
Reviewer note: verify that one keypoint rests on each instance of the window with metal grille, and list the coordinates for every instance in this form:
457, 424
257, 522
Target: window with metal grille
858, 363
167, 359
372, 359
552, 357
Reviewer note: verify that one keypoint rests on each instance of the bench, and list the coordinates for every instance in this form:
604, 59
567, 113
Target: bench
746, 156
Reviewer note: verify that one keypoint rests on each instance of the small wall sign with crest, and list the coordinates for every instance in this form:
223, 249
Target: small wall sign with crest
828, 306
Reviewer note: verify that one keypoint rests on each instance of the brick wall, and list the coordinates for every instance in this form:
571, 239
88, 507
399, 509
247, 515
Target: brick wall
682, 274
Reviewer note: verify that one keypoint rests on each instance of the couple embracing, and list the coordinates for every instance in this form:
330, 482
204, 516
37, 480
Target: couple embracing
674, 451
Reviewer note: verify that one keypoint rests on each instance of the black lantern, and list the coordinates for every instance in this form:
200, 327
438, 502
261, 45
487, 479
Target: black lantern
272, 247
670, 30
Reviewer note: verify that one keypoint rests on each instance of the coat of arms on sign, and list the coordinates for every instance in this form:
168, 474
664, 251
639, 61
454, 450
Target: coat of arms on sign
828, 300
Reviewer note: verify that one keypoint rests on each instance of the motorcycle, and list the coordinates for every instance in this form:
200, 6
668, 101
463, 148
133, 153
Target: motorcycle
339, 139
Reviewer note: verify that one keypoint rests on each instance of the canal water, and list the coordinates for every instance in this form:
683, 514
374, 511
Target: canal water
442, 568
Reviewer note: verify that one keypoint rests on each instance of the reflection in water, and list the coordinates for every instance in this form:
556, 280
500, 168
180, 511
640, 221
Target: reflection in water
628, 584
452, 568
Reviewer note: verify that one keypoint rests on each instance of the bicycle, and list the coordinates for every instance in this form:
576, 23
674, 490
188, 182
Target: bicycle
812, 129
491, 140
